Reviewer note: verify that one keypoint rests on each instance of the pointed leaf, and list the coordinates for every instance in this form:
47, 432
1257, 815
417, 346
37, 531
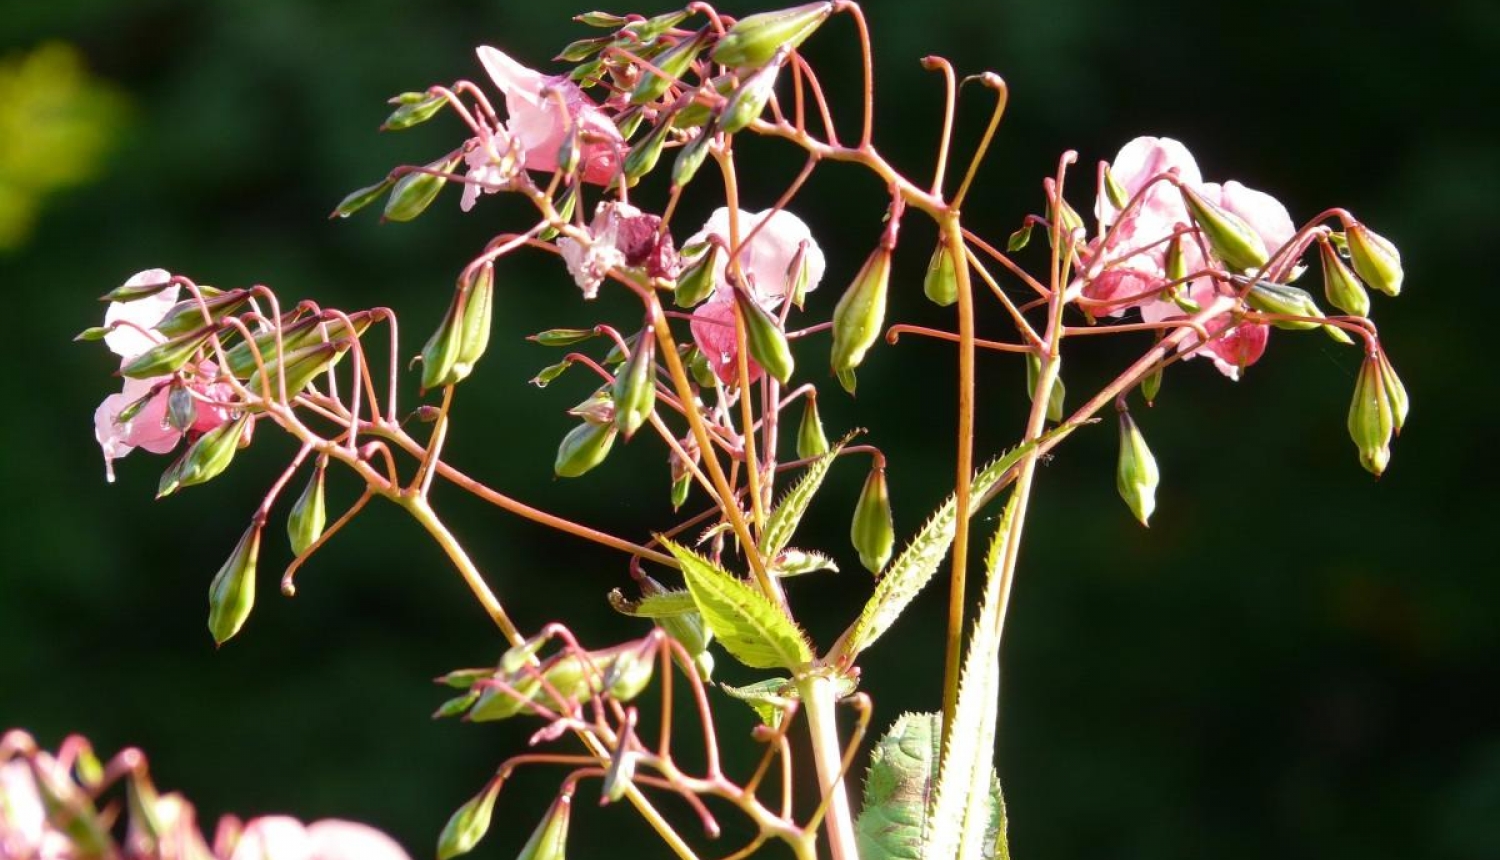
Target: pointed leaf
752, 628
768, 698
782, 523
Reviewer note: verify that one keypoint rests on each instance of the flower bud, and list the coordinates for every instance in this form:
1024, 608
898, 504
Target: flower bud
412, 109
764, 337
1115, 192
129, 291
583, 448
746, 103
941, 283
643, 156
1375, 259
1372, 417
1229, 236
811, 441
550, 372
360, 198
1020, 238
755, 39
680, 487
599, 408
1136, 475
1395, 391
468, 824
562, 336
231, 595
860, 313
582, 49
165, 358
635, 386
690, 158
696, 282
304, 525
1281, 299
187, 315
497, 704
873, 532
1340, 285
300, 365
1151, 384
240, 358
205, 458
698, 366
674, 62
414, 192
550, 839
1056, 396
91, 334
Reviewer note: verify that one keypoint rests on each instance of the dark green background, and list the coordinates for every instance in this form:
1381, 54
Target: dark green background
1291, 662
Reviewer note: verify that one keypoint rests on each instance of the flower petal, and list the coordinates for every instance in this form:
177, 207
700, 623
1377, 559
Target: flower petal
129, 340
333, 839
713, 332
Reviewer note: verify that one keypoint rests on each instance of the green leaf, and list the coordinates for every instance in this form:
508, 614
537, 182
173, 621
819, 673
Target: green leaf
914, 568
783, 522
962, 811
752, 628
668, 604
769, 698
892, 823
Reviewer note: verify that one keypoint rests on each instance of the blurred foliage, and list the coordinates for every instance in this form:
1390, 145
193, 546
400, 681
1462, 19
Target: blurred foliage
56, 126
1294, 661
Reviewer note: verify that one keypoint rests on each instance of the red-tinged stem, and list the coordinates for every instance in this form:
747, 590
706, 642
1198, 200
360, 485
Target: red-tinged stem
893, 334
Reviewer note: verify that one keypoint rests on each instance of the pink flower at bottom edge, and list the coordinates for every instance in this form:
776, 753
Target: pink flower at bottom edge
281, 837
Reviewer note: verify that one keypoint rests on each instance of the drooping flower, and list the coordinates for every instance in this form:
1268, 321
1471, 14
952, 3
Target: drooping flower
539, 124
134, 332
769, 263
619, 235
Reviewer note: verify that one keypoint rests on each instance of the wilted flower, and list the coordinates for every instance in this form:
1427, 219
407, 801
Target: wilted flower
492, 159
149, 426
620, 235
538, 123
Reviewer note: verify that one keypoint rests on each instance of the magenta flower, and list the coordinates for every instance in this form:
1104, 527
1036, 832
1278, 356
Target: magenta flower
768, 262
538, 124
134, 332
280, 837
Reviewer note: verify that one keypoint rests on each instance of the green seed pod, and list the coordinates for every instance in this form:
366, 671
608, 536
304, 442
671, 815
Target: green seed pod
763, 334
1340, 285
1229, 237
360, 198
1372, 417
562, 336
941, 283
696, 282
304, 525
187, 315
91, 334
598, 408
468, 824
1375, 259
410, 112
577, 52
620, 776
182, 408
497, 704
698, 112
847, 379
550, 372
690, 158
1395, 391
1055, 398
302, 365
1136, 475
550, 839
873, 532
166, 357
414, 192
477, 312
635, 386
811, 441
688, 629
563, 205
680, 487
755, 39
860, 313
697, 364
1020, 238
642, 157
128, 292
583, 448
628, 674
674, 63
206, 458
440, 354
309, 330
1151, 385
231, 595
747, 102
1116, 193
1281, 299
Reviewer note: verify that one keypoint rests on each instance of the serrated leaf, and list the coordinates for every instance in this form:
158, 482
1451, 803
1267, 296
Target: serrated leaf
668, 604
892, 822
797, 562
752, 628
961, 809
769, 698
905, 577
782, 522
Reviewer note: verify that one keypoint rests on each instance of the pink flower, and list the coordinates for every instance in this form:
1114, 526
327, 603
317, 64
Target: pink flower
620, 235
539, 124
24, 829
280, 837
767, 263
135, 333
492, 159
1125, 268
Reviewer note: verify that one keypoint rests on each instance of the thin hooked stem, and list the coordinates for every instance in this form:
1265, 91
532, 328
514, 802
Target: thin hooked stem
950, 103
1002, 96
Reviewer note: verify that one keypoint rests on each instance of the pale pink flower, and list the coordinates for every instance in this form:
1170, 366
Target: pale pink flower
281, 837
492, 159
539, 124
134, 334
619, 235
766, 260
